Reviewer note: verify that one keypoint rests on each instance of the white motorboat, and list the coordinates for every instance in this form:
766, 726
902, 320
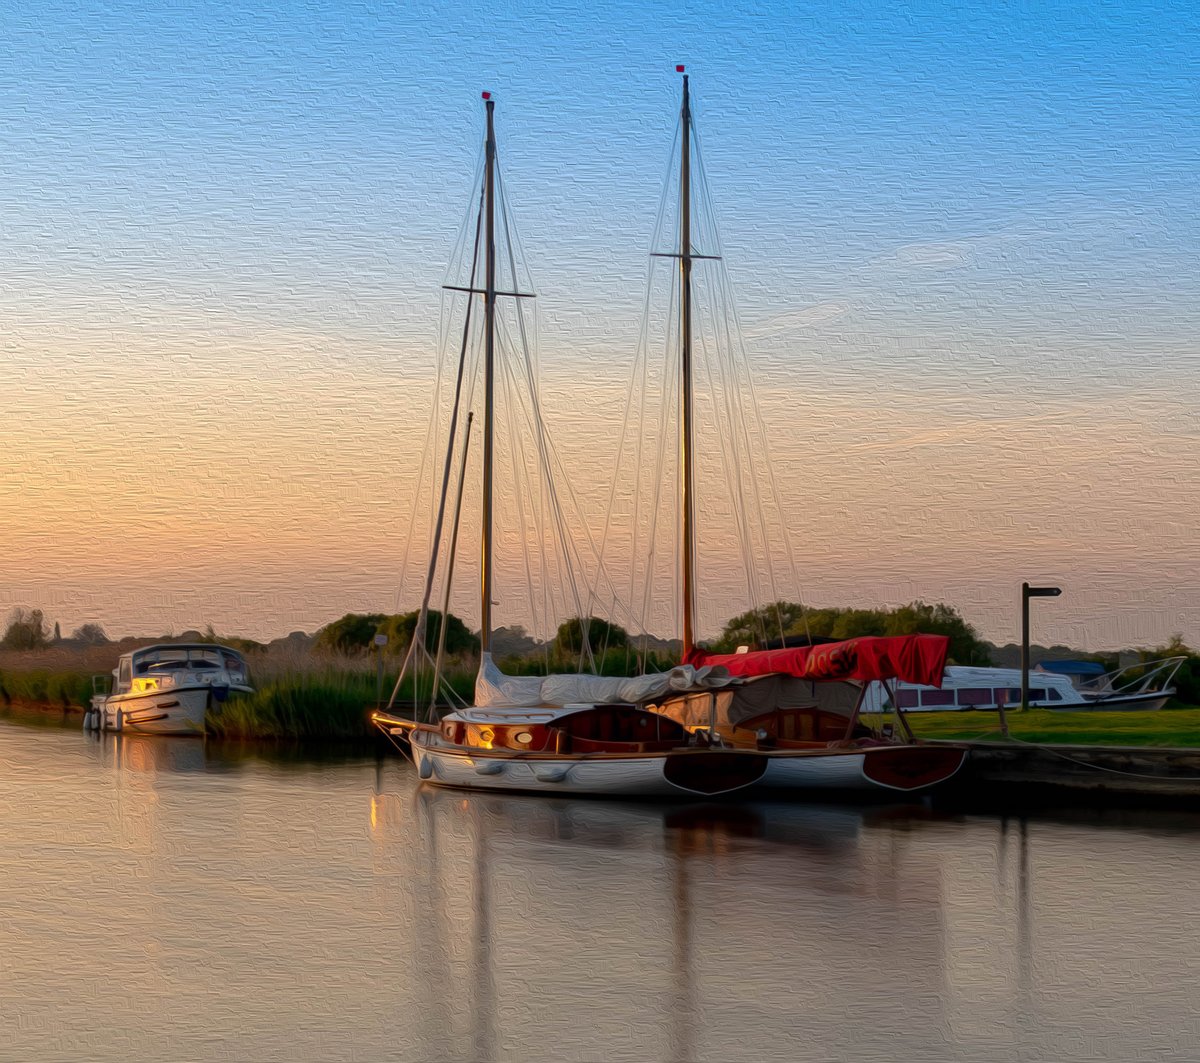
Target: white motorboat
1142, 687
167, 689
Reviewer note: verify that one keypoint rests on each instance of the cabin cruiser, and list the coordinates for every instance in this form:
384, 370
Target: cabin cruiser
965, 688
167, 689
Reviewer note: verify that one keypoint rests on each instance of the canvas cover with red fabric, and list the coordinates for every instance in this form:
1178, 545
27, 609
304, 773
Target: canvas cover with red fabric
912, 658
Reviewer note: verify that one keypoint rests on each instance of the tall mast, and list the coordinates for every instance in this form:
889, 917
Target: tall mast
685, 327
489, 306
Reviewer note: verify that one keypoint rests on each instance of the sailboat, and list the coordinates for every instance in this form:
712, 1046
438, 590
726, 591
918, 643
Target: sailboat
709, 726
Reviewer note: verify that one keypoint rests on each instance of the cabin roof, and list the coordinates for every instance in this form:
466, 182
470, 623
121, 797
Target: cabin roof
1072, 667
181, 646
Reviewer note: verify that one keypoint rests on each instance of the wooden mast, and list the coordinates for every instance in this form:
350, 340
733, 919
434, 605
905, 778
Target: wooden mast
688, 501
489, 306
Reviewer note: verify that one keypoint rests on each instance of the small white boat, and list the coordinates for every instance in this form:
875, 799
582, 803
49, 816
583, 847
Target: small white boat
965, 689
167, 689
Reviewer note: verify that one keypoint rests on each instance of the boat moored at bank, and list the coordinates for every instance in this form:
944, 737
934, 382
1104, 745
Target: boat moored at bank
167, 689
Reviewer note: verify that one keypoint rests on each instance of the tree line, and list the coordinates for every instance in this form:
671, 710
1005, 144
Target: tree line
613, 650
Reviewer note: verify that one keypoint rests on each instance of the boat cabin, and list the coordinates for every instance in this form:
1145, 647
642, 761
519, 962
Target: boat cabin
973, 688
579, 729
164, 666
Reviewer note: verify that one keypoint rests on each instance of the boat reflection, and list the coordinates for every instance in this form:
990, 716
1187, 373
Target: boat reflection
518, 899
146, 754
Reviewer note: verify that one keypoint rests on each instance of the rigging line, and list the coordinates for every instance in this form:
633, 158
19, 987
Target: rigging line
756, 411
743, 458
432, 435
418, 633
639, 364
741, 375
513, 249
670, 386
518, 484
737, 499
541, 441
531, 492
550, 460
444, 622
726, 367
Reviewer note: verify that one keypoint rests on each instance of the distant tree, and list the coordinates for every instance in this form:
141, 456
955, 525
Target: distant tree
57, 632
234, 642
26, 630
513, 641
759, 625
91, 634
966, 647
401, 628
762, 624
1187, 679
355, 633
601, 635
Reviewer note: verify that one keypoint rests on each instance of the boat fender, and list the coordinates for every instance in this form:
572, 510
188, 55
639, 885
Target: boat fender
87, 720
120, 719
489, 767
425, 768
557, 774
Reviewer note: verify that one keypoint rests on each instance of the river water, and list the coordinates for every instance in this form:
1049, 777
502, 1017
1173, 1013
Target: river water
176, 900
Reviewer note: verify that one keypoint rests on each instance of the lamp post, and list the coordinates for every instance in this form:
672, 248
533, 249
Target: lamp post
1028, 592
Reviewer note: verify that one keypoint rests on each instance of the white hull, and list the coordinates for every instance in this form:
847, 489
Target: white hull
627, 777
647, 775
166, 712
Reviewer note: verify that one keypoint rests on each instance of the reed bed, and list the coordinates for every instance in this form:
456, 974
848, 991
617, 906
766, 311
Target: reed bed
298, 694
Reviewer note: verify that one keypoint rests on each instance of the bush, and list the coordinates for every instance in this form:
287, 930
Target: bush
26, 630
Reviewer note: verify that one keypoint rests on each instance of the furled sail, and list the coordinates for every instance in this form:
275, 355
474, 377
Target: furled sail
494, 689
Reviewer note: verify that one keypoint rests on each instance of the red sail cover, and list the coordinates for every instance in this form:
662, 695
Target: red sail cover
912, 658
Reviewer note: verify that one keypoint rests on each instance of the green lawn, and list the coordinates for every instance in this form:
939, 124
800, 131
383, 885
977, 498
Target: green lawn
1167, 727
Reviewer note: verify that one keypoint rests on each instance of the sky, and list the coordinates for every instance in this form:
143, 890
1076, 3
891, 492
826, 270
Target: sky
963, 241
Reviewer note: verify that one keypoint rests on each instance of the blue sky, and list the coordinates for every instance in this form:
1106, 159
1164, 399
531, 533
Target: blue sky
989, 209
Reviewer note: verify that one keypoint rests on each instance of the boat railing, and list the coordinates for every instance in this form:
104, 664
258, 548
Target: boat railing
1140, 677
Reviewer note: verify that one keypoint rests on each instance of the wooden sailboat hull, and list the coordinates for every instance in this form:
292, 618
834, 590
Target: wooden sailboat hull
690, 772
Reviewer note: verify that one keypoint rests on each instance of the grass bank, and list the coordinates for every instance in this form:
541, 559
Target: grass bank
1167, 727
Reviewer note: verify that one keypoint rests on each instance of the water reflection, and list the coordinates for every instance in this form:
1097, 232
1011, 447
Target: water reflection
263, 909
519, 888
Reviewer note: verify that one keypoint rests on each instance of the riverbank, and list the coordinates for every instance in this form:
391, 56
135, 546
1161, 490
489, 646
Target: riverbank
1174, 728
308, 697
297, 696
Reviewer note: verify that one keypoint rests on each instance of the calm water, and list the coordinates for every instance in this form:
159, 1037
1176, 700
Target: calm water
167, 900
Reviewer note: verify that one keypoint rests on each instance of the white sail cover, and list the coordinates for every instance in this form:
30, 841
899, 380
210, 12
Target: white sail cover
494, 689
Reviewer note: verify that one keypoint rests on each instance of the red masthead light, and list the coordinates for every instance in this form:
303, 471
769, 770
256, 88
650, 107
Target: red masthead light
487, 95
678, 68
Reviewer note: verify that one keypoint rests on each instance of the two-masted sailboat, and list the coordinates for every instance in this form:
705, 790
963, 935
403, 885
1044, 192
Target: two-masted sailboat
713, 725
